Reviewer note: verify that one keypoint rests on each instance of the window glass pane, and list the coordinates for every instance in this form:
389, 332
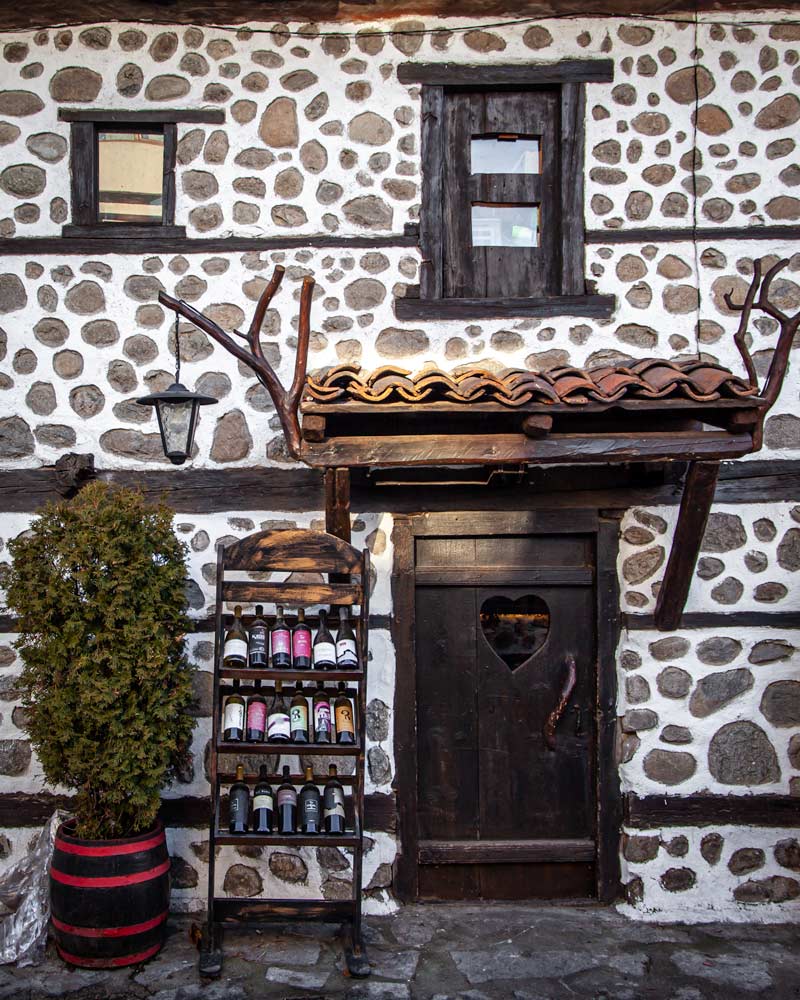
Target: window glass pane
130, 171
505, 156
505, 225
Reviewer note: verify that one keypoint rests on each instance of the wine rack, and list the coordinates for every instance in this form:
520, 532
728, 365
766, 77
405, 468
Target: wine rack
345, 572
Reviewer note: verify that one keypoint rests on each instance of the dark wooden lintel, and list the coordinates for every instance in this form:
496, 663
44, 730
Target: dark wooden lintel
596, 306
481, 852
698, 496
34, 246
156, 116
719, 619
445, 74
685, 234
652, 811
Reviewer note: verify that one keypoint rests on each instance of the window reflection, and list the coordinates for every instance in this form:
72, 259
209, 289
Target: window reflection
505, 155
505, 225
131, 176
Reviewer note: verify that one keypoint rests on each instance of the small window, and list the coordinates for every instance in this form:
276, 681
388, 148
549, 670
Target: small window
122, 166
505, 154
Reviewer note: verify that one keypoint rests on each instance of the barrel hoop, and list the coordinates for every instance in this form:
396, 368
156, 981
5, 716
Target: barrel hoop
105, 963
109, 882
109, 850
109, 932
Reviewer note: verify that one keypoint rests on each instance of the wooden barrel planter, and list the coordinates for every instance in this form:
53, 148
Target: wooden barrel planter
109, 899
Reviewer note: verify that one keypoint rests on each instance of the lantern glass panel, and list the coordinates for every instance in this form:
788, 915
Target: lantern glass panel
177, 426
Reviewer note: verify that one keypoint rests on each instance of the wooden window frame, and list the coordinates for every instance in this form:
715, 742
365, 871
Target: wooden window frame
84, 128
427, 299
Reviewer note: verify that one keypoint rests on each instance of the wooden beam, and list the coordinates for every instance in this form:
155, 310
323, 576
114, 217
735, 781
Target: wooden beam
685, 234
698, 495
720, 619
445, 74
653, 811
487, 852
155, 116
597, 306
337, 503
82, 245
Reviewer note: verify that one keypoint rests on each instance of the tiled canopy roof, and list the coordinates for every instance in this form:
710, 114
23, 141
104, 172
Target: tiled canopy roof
650, 378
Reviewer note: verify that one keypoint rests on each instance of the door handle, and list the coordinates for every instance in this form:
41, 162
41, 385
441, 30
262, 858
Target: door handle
566, 692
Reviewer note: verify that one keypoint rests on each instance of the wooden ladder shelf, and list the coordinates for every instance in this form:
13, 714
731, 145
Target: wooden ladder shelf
347, 584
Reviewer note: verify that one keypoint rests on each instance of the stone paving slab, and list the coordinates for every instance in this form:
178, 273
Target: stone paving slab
455, 952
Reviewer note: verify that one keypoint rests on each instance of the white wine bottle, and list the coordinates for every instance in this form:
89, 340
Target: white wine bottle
235, 650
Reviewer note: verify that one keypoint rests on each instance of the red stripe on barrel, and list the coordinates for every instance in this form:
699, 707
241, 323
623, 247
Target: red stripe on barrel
110, 932
109, 881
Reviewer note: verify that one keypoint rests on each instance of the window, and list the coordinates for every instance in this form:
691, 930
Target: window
123, 171
501, 225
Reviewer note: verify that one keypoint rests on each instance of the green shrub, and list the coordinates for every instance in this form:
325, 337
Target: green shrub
98, 585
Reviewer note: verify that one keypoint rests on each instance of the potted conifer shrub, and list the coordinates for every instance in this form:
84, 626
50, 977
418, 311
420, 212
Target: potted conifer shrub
98, 586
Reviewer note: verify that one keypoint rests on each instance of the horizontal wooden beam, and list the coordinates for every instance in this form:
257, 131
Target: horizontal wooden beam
21, 809
445, 74
201, 626
412, 307
720, 619
156, 116
653, 811
82, 245
488, 852
685, 234
504, 449
503, 576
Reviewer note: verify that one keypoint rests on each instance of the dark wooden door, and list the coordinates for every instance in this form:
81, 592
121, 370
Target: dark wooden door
502, 814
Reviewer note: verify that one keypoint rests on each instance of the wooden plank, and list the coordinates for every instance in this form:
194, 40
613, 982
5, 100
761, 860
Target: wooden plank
337, 503
503, 576
433, 166
295, 840
82, 245
525, 522
652, 811
685, 234
154, 116
405, 742
292, 549
482, 852
686, 408
265, 911
573, 112
325, 749
103, 233
83, 174
503, 449
292, 595
720, 619
698, 496
595, 306
528, 74
170, 154
609, 793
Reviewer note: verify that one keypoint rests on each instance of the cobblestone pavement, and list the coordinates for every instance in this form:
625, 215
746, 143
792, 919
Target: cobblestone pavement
470, 952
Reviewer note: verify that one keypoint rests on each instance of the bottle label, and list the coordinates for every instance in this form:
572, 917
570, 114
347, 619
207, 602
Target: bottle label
334, 802
280, 641
287, 797
311, 807
322, 717
346, 652
234, 716
235, 647
278, 725
238, 802
324, 652
298, 716
301, 643
257, 715
344, 719
258, 641
263, 801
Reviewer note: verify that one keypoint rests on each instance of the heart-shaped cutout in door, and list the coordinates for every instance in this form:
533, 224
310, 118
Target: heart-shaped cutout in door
515, 628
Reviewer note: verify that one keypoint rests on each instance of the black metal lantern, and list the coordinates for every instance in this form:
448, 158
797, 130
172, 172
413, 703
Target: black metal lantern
177, 410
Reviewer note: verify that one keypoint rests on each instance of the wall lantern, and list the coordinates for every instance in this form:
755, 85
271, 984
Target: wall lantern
177, 410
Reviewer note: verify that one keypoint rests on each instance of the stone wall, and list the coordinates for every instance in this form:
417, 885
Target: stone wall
322, 139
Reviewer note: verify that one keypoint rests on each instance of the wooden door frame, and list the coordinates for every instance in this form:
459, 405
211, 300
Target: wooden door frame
604, 526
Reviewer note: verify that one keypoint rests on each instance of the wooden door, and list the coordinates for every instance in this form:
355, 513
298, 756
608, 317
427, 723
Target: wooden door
502, 811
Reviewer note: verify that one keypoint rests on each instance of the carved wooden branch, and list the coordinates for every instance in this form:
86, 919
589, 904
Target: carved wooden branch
788, 328
286, 401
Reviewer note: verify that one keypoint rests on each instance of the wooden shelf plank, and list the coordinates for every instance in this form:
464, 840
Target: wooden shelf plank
290, 594
275, 778
480, 852
294, 840
265, 910
250, 673
320, 749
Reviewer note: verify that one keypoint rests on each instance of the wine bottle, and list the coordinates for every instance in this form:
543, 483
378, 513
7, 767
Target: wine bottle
322, 715
256, 716
346, 651
301, 643
310, 811
258, 652
343, 713
281, 638
263, 803
278, 729
324, 648
238, 803
233, 716
333, 803
298, 716
287, 804
235, 651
